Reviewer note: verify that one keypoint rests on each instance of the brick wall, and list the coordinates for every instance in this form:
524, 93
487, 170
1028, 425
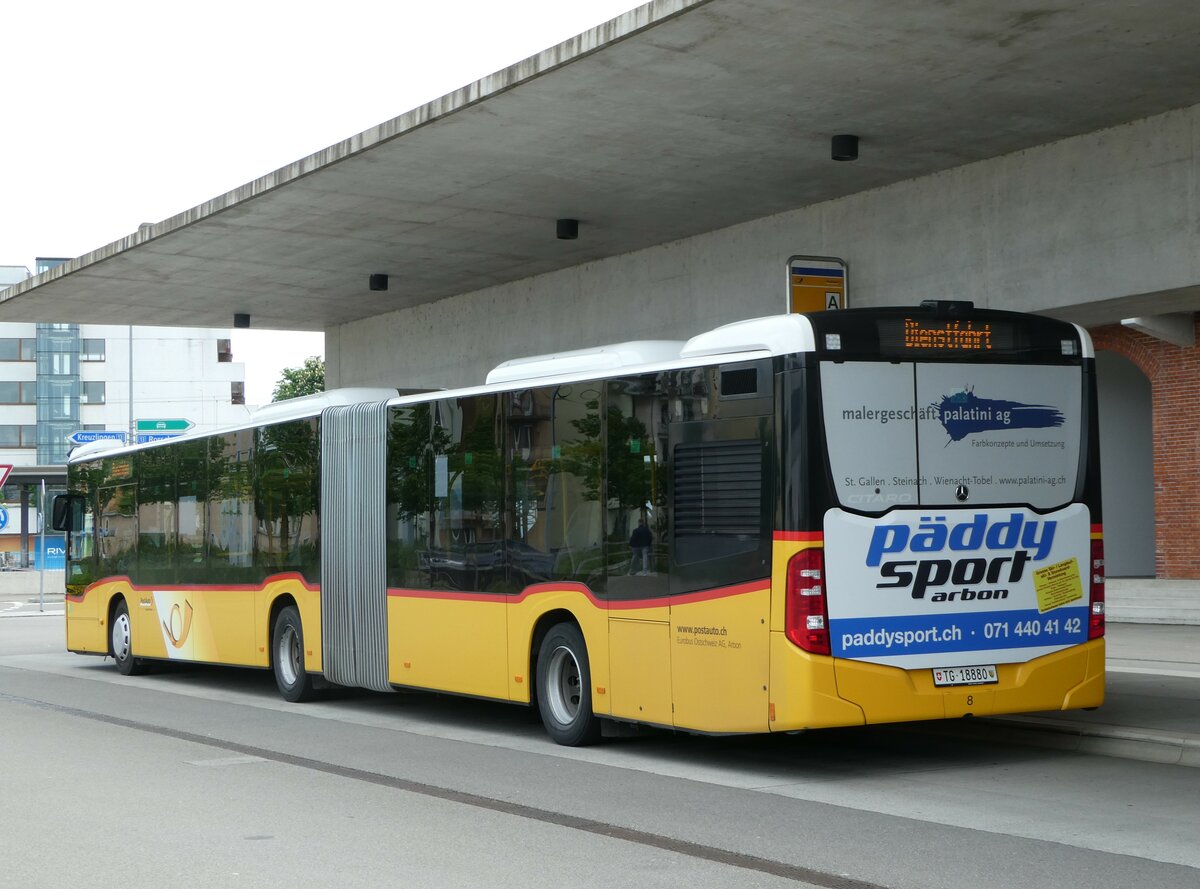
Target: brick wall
1174, 375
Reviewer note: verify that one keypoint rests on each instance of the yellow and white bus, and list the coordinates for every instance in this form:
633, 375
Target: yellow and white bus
781, 524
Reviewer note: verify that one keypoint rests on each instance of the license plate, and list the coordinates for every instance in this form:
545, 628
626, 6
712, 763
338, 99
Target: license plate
985, 674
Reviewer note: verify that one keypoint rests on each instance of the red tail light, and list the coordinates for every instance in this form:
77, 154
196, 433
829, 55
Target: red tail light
806, 616
1096, 613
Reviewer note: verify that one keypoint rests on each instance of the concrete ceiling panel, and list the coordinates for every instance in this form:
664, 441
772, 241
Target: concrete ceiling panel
672, 120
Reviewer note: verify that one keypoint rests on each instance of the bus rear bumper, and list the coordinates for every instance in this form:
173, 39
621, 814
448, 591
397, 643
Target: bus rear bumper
811, 691
1063, 680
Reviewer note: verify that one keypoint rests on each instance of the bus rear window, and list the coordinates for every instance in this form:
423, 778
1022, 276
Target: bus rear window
913, 434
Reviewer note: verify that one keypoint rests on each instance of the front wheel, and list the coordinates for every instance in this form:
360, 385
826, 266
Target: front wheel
564, 688
120, 640
287, 657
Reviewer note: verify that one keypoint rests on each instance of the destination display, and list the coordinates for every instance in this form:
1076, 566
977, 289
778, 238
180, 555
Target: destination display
962, 336
939, 335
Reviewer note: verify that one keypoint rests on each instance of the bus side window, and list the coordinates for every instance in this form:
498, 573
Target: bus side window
155, 470
192, 487
637, 526
468, 496
230, 507
410, 471
721, 478
286, 495
117, 531
554, 502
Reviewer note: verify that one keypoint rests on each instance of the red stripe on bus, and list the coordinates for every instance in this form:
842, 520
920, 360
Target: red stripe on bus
451, 595
573, 587
199, 587
753, 586
799, 535
566, 586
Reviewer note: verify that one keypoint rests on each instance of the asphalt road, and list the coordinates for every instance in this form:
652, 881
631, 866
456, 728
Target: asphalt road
204, 777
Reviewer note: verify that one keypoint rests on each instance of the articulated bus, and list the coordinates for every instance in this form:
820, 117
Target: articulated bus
786, 523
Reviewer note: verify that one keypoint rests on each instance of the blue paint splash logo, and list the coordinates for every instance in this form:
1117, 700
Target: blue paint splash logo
964, 413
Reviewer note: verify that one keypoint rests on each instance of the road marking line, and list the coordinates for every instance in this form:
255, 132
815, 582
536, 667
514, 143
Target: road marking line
772, 867
223, 761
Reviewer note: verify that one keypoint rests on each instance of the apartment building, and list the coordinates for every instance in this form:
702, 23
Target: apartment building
57, 380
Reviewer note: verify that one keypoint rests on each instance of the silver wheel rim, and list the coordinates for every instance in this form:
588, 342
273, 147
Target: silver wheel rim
121, 637
287, 655
565, 688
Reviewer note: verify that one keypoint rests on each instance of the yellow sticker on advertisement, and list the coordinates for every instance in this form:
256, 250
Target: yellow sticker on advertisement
1057, 584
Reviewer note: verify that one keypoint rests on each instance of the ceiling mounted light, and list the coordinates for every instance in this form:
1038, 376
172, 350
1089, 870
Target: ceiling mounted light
567, 229
378, 282
845, 148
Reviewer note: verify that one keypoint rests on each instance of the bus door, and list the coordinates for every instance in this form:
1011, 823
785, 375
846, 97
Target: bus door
637, 582
720, 571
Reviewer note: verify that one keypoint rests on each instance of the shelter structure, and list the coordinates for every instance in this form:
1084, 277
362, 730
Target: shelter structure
1041, 159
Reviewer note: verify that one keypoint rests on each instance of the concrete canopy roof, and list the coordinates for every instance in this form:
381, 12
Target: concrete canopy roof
677, 118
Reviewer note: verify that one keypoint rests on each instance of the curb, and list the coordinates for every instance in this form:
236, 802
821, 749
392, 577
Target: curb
1146, 745
1126, 742
15, 614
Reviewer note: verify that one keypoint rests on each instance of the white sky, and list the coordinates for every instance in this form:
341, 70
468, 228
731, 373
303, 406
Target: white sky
115, 114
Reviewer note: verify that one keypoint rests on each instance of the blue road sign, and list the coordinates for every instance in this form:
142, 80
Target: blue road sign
84, 436
143, 437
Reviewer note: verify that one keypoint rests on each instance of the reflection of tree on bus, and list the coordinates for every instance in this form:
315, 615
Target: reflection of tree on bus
287, 493
447, 492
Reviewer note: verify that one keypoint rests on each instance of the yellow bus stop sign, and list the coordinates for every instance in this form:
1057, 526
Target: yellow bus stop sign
816, 284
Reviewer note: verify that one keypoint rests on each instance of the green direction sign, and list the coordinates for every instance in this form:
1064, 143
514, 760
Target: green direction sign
164, 425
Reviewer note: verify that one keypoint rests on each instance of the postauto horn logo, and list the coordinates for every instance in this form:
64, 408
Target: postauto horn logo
994, 555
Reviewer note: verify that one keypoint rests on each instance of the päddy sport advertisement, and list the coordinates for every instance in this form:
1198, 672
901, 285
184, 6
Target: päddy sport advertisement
957, 587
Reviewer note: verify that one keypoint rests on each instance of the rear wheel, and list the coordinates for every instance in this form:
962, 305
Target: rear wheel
564, 688
120, 640
287, 657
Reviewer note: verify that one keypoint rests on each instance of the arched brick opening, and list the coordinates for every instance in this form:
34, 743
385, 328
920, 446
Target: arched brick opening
1174, 375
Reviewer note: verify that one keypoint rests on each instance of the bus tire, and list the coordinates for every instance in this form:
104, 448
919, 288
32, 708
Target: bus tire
287, 657
120, 642
564, 688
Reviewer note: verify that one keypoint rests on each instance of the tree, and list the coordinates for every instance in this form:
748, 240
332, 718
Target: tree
308, 379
